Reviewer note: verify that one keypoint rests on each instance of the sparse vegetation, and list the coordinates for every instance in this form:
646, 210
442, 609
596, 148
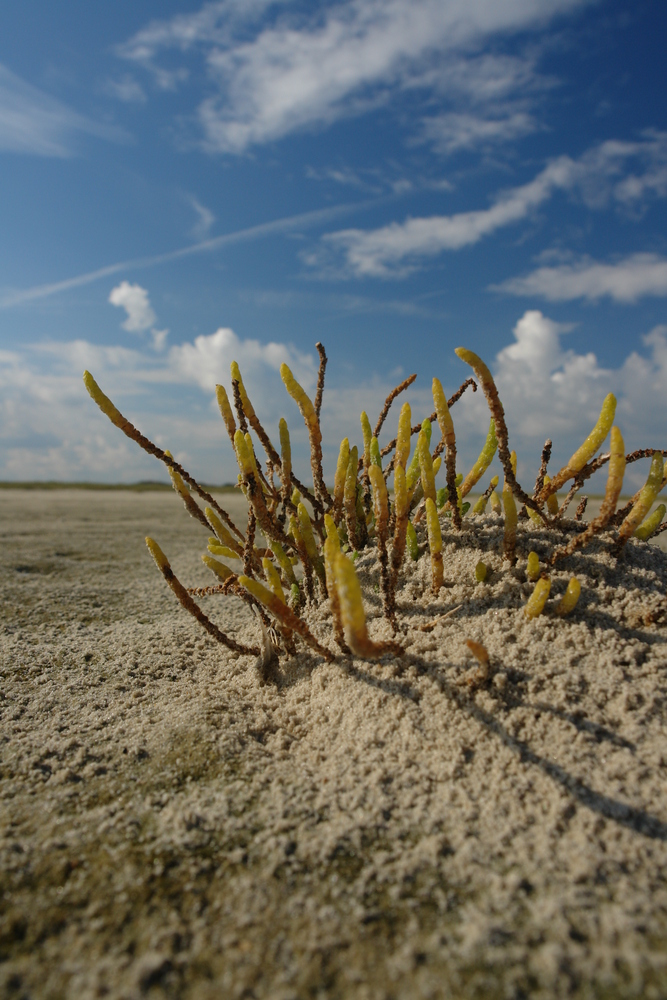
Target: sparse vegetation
313, 535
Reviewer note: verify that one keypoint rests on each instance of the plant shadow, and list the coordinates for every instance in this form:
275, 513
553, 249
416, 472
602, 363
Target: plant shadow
631, 817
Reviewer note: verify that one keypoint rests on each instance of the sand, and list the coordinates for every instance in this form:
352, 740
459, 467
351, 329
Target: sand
173, 827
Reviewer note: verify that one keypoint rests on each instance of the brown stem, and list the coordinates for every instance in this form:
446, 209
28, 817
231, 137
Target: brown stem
268, 524
193, 508
194, 609
320, 377
502, 436
546, 455
433, 417
147, 445
216, 588
389, 400
574, 488
238, 405
249, 543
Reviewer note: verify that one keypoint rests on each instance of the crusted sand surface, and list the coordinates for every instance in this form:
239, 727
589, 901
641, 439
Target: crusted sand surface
173, 827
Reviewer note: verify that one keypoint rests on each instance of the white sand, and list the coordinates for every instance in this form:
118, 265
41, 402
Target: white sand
172, 827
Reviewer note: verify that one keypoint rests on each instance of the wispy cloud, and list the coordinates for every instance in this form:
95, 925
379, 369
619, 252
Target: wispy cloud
126, 89
261, 231
341, 304
597, 178
35, 123
215, 23
454, 131
393, 250
627, 280
375, 180
205, 218
491, 98
277, 69
345, 176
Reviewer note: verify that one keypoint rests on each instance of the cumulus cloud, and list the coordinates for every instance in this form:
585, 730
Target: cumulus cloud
627, 280
36, 123
397, 249
46, 429
206, 360
140, 316
278, 69
552, 391
548, 391
49, 428
134, 300
550, 386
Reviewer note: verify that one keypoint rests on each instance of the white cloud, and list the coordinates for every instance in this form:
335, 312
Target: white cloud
140, 316
343, 175
487, 78
45, 430
491, 97
159, 339
214, 23
134, 300
373, 180
602, 173
552, 391
296, 70
49, 428
548, 391
627, 280
207, 360
396, 249
393, 249
36, 123
634, 189
454, 131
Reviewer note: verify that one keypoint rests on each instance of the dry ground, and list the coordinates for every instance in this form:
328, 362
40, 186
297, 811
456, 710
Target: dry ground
170, 827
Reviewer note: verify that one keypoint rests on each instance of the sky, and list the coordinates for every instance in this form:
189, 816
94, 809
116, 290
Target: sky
187, 184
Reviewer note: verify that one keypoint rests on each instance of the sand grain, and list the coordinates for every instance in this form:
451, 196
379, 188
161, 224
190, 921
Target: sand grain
173, 827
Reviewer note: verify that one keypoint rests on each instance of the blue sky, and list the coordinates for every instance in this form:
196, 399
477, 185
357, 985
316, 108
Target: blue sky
184, 185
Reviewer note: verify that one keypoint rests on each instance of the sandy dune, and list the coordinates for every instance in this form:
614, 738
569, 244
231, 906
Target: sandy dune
172, 827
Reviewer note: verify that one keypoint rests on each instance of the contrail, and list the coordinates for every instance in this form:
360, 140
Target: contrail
227, 239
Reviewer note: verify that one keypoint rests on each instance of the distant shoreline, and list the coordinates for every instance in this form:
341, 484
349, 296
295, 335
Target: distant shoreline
140, 487
148, 485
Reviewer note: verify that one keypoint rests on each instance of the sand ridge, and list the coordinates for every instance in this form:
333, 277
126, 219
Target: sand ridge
173, 826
